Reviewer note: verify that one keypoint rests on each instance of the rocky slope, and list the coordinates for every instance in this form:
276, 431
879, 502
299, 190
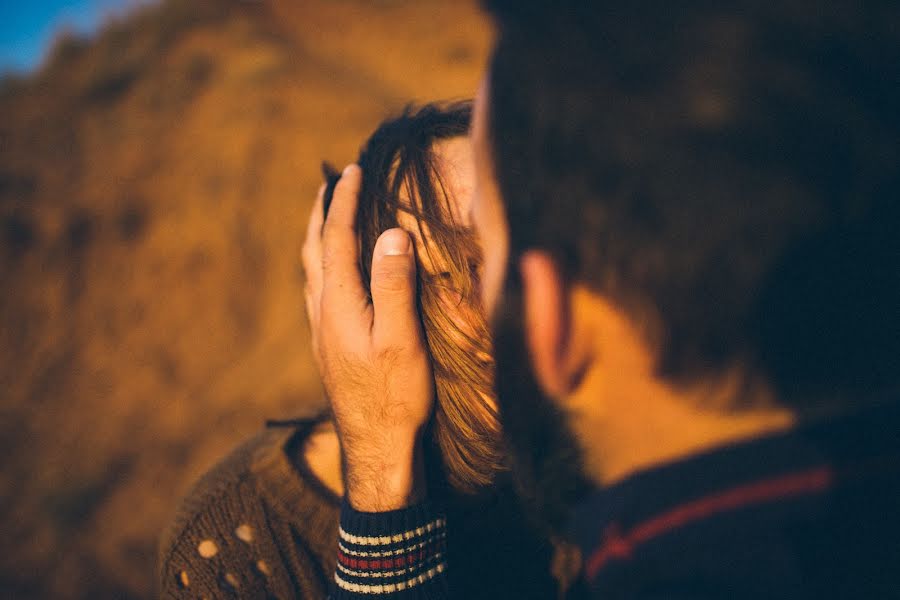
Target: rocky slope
154, 187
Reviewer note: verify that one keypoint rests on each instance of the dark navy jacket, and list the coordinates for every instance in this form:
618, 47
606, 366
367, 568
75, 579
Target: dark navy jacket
813, 513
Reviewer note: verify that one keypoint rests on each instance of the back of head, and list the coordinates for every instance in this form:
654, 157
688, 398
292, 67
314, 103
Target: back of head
727, 172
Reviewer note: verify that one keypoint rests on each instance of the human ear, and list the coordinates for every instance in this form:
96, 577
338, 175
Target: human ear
547, 321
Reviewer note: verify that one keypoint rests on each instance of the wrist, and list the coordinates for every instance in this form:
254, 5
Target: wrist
380, 480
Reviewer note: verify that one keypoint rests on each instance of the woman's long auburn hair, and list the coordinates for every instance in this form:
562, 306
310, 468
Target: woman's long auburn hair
401, 174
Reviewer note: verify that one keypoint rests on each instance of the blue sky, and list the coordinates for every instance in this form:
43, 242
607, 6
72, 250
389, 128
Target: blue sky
27, 27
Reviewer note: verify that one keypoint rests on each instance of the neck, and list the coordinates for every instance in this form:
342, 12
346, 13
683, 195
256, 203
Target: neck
627, 419
649, 425
322, 453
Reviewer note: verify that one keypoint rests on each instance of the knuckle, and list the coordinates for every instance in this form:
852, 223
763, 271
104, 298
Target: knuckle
389, 356
397, 356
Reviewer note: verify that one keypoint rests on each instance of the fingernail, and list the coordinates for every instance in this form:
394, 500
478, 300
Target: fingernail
349, 168
395, 242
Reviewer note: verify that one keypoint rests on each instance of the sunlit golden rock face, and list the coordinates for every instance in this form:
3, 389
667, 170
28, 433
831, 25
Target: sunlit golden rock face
154, 188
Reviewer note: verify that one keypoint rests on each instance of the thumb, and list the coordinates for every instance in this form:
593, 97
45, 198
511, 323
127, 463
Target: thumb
396, 320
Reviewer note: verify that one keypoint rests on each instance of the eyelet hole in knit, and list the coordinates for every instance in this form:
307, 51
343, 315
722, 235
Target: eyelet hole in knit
232, 580
207, 549
244, 533
263, 568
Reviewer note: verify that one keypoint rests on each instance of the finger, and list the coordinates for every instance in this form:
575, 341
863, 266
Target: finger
312, 268
340, 250
396, 319
317, 218
312, 303
312, 244
312, 315
311, 254
312, 247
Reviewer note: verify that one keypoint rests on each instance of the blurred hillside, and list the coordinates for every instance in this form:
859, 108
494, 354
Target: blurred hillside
154, 189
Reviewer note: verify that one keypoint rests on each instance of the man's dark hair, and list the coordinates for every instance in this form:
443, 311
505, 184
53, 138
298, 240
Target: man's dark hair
727, 172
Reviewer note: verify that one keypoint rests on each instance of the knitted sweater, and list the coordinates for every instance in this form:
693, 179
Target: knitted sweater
256, 526
261, 525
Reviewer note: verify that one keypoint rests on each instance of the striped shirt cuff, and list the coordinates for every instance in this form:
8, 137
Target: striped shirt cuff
396, 554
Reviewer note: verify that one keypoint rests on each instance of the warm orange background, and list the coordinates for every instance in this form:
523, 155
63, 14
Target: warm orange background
154, 188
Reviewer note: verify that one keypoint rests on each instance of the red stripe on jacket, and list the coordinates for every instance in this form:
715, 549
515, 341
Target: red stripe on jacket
618, 545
